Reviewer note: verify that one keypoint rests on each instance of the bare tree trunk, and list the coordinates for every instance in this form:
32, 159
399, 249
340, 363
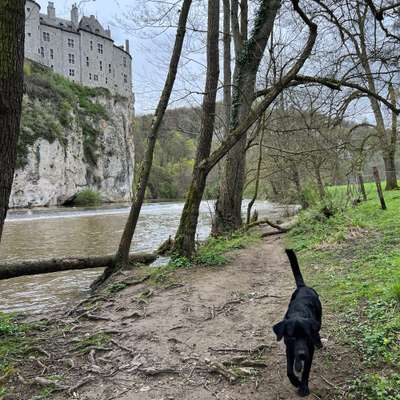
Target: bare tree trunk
388, 144
229, 203
227, 66
144, 173
390, 170
320, 183
389, 157
257, 182
299, 188
12, 33
185, 235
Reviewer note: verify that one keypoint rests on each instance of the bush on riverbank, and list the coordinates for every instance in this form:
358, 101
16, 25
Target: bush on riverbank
87, 197
353, 261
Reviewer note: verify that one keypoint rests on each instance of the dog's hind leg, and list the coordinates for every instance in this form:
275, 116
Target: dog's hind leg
303, 388
290, 373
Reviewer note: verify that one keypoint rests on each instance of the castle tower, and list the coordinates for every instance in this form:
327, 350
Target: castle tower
75, 16
32, 32
51, 11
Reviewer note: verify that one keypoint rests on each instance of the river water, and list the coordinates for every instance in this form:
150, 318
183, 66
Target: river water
63, 232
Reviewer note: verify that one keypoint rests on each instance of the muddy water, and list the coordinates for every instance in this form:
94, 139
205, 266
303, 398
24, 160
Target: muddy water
61, 232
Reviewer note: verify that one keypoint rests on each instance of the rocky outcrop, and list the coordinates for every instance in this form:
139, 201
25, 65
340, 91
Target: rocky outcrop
89, 151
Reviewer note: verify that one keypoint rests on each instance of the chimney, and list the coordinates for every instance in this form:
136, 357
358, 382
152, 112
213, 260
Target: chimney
127, 45
51, 11
74, 15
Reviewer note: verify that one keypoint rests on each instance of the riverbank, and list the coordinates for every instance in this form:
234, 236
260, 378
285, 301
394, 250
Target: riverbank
190, 332
203, 331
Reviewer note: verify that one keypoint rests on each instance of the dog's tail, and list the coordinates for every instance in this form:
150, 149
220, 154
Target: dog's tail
295, 267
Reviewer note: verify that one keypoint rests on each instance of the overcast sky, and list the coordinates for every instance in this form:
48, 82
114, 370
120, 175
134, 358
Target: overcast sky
149, 58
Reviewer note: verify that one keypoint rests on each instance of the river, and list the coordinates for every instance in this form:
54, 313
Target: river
63, 232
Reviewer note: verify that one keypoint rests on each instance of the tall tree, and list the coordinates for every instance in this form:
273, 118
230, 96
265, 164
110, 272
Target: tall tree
12, 34
369, 55
263, 24
185, 236
122, 256
249, 53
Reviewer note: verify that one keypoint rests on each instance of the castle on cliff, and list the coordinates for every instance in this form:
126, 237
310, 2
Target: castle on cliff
81, 50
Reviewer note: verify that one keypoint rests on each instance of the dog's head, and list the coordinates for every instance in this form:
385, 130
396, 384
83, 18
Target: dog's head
300, 334
296, 328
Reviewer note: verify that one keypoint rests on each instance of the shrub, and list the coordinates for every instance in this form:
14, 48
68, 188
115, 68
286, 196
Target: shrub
87, 197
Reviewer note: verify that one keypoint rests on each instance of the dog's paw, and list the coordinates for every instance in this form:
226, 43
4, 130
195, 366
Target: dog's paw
294, 380
304, 391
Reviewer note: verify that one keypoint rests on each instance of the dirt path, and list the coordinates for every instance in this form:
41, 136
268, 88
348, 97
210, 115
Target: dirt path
167, 350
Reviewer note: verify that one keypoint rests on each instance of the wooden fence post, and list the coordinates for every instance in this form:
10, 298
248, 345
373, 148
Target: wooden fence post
362, 187
379, 187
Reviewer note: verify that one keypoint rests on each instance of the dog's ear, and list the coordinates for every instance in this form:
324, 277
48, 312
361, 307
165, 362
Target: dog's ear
279, 330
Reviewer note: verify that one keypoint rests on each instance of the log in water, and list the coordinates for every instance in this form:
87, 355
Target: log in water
35, 267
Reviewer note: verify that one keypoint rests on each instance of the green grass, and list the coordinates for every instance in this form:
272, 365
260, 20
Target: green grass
353, 260
97, 340
14, 344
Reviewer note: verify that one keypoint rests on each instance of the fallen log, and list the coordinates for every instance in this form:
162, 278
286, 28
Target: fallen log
44, 266
267, 222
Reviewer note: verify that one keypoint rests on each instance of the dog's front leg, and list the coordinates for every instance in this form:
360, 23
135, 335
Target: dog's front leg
290, 373
303, 388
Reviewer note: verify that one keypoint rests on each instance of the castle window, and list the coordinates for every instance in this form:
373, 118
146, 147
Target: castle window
124, 61
106, 80
90, 76
100, 48
125, 78
42, 51
71, 72
29, 34
71, 58
28, 9
51, 53
52, 66
96, 77
101, 65
91, 45
46, 36
87, 61
71, 43
109, 68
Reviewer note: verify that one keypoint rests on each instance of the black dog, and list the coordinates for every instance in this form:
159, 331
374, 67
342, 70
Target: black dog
300, 329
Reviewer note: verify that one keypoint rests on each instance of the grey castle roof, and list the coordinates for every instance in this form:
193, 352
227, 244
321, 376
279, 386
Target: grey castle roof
91, 24
58, 23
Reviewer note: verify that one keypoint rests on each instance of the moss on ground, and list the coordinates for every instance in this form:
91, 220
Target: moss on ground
353, 261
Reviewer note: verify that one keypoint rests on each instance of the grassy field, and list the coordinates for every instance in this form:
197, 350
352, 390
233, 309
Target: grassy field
353, 260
